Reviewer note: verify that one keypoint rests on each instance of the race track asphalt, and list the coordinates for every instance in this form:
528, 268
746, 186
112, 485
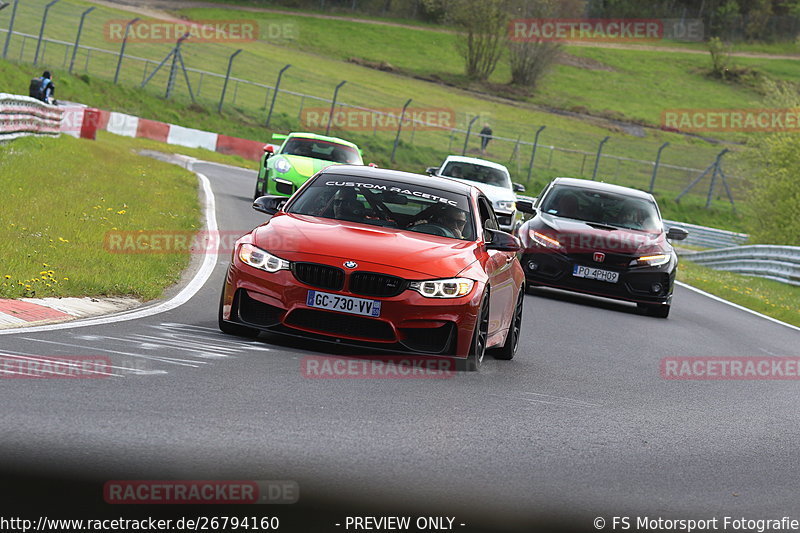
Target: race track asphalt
580, 424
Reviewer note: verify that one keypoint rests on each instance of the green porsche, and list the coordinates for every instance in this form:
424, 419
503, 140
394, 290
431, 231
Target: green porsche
301, 156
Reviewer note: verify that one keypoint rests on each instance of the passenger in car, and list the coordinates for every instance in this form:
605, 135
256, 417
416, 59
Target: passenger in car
346, 206
568, 206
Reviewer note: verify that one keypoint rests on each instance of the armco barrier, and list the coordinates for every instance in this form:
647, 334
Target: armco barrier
780, 263
22, 115
708, 237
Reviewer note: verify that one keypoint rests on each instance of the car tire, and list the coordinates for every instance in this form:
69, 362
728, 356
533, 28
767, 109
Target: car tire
477, 347
231, 328
258, 193
509, 348
658, 310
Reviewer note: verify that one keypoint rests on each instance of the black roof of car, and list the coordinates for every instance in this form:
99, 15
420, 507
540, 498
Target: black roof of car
433, 182
601, 186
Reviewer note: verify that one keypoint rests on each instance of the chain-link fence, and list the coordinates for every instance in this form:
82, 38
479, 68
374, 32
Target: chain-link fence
243, 74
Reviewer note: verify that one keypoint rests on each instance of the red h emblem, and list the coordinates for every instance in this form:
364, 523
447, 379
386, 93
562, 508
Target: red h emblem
599, 257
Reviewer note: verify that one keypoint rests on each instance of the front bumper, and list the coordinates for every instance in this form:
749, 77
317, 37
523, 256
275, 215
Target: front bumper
280, 185
635, 284
408, 322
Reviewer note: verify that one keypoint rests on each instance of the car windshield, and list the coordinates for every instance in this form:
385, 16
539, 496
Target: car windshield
477, 173
328, 151
600, 207
387, 204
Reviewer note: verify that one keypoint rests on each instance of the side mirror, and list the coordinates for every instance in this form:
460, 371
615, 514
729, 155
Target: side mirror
526, 206
373, 165
677, 234
269, 204
430, 171
502, 241
269, 150
518, 187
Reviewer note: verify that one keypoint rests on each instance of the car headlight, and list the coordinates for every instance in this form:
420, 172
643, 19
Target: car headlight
282, 166
505, 205
545, 240
651, 260
261, 259
443, 288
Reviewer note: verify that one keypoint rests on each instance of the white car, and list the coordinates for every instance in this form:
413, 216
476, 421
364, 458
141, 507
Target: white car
492, 178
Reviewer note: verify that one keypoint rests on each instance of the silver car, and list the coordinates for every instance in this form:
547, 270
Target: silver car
493, 179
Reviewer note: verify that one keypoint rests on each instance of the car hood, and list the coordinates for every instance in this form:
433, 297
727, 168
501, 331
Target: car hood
303, 166
392, 251
582, 237
495, 193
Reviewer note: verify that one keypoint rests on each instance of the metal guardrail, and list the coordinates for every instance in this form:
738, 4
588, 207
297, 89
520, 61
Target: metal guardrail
709, 237
779, 263
22, 115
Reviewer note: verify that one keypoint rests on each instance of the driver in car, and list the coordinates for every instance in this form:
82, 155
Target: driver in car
454, 219
346, 206
450, 218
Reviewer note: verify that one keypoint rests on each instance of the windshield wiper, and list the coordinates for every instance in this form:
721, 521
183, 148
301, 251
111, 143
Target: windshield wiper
598, 225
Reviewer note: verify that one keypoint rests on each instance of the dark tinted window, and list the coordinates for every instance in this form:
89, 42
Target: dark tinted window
387, 204
477, 173
602, 207
338, 153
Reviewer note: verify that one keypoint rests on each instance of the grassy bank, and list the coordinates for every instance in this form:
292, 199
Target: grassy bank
772, 298
61, 196
319, 57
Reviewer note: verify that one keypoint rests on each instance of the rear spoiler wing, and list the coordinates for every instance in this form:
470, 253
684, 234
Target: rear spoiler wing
279, 136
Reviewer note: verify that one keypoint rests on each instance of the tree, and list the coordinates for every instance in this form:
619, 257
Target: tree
530, 60
484, 29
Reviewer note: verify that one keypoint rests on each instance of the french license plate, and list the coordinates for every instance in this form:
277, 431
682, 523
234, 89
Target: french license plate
595, 273
345, 304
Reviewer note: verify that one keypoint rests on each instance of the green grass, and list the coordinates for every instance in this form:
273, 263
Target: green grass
772, 298
777, 48
412, 156
61, 196
316, 68
650, 81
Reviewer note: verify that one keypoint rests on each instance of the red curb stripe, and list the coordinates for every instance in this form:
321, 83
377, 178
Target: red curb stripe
102, 123
30, 312
152, 129
246, 148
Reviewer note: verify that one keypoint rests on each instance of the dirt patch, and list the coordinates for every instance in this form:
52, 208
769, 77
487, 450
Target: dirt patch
384, 66
587, 63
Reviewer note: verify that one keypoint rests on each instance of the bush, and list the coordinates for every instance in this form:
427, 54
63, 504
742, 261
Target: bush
772, 212
483, 31
530, 61
720, 57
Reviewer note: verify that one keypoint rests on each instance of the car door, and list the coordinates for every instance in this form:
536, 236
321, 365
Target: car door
501, 281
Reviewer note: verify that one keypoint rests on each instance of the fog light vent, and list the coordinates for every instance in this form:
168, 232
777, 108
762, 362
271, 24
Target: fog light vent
656, 288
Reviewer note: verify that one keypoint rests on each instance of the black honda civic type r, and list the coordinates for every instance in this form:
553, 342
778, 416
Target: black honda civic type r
600, 239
